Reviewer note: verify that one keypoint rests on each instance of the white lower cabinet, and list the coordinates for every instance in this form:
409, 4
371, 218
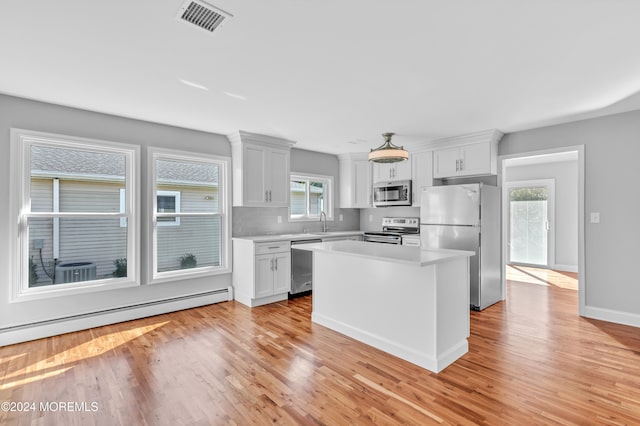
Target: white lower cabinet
261, 271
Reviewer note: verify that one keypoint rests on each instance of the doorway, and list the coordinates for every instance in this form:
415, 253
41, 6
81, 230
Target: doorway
531, 240
530, 212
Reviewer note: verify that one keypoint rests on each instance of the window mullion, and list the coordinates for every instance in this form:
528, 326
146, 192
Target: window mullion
73, 215
308, 197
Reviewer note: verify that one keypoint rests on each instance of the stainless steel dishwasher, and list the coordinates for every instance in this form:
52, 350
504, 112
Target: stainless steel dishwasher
301, 269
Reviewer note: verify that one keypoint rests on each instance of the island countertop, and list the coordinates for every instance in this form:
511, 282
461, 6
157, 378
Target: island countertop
388, 252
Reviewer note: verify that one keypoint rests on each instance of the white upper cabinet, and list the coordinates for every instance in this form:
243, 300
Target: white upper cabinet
355, 180
261, 168
421, 174
384, 172
469, 155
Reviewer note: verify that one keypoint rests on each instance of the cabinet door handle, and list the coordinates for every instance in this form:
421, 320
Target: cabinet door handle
276, 259
271, 264
457, 165
266, 195
461, 164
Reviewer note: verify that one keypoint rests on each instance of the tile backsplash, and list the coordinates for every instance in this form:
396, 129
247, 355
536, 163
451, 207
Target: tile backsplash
371, 219
264, 221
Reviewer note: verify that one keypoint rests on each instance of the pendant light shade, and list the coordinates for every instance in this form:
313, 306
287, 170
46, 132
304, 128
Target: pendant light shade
388, 152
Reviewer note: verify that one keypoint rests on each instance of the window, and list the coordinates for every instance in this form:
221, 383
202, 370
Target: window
190, 214
310, 196
70, 197
168, 202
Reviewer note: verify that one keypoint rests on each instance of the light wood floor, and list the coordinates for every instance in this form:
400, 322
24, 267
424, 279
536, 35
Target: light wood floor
527, 274
532, 360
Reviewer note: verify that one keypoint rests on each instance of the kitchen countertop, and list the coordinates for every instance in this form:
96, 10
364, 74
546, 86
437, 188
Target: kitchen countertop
388, 252
296, 237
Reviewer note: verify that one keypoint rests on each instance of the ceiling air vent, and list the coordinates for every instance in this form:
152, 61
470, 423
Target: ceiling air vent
202, 15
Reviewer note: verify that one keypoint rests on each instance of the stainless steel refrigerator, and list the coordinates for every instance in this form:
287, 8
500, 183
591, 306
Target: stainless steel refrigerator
466, 217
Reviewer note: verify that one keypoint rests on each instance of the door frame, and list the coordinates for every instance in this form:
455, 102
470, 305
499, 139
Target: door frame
551, 218
582, 274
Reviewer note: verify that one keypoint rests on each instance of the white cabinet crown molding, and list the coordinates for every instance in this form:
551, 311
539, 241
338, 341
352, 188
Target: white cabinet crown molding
240, 136
492, 135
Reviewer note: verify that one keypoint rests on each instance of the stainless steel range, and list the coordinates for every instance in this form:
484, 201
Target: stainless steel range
397, 230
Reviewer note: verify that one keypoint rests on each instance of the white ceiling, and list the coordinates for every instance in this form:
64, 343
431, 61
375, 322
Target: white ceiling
331, 75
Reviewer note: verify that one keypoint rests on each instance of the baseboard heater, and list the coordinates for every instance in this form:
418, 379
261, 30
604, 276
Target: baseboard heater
47, 328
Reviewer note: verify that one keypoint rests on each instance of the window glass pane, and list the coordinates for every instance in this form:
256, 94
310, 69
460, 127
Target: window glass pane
197, 184
75, 180
195, 243
317, 197
298, 197
86, 249
166, 204
528, 231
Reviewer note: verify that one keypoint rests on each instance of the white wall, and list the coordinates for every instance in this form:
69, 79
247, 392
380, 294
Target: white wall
612, 172
565, 175
33, 115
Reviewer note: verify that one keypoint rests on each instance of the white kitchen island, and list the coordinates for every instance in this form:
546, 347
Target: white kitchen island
409, 302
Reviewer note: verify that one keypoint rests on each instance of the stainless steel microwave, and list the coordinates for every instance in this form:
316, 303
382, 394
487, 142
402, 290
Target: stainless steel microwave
396, 193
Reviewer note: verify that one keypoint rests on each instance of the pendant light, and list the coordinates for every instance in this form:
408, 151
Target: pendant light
388, 152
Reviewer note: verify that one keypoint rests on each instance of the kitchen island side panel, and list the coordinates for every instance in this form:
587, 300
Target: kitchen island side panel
392, 307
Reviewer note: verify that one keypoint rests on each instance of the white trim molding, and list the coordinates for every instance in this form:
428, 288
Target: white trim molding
582, 274
22, 142
23, 333
224, 211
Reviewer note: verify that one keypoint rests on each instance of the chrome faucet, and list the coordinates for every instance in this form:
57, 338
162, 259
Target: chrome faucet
324, 223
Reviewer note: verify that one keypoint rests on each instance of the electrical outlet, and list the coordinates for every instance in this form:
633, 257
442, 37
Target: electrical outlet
38, 243
370, 218
595, 217
341, 218
279, 219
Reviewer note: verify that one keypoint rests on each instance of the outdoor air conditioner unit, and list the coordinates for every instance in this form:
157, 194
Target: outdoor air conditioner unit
72, 272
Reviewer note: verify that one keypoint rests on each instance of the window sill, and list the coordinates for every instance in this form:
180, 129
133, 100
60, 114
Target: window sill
185, 274
59, 290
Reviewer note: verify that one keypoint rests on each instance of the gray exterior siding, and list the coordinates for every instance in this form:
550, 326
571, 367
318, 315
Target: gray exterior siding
194, 235
77, 237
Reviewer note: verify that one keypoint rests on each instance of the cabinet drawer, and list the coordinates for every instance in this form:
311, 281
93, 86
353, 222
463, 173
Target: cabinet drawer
274, 247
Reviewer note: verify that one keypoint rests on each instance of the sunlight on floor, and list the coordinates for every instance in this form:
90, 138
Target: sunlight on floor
567, 280
19, 374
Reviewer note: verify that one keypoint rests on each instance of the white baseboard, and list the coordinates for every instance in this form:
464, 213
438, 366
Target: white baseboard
565, 268
450, 356
252, 303
420, 359
610, 315
25, 333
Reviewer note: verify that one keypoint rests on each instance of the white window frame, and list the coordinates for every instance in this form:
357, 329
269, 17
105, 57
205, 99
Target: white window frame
224, 211
20, 206
328, 209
